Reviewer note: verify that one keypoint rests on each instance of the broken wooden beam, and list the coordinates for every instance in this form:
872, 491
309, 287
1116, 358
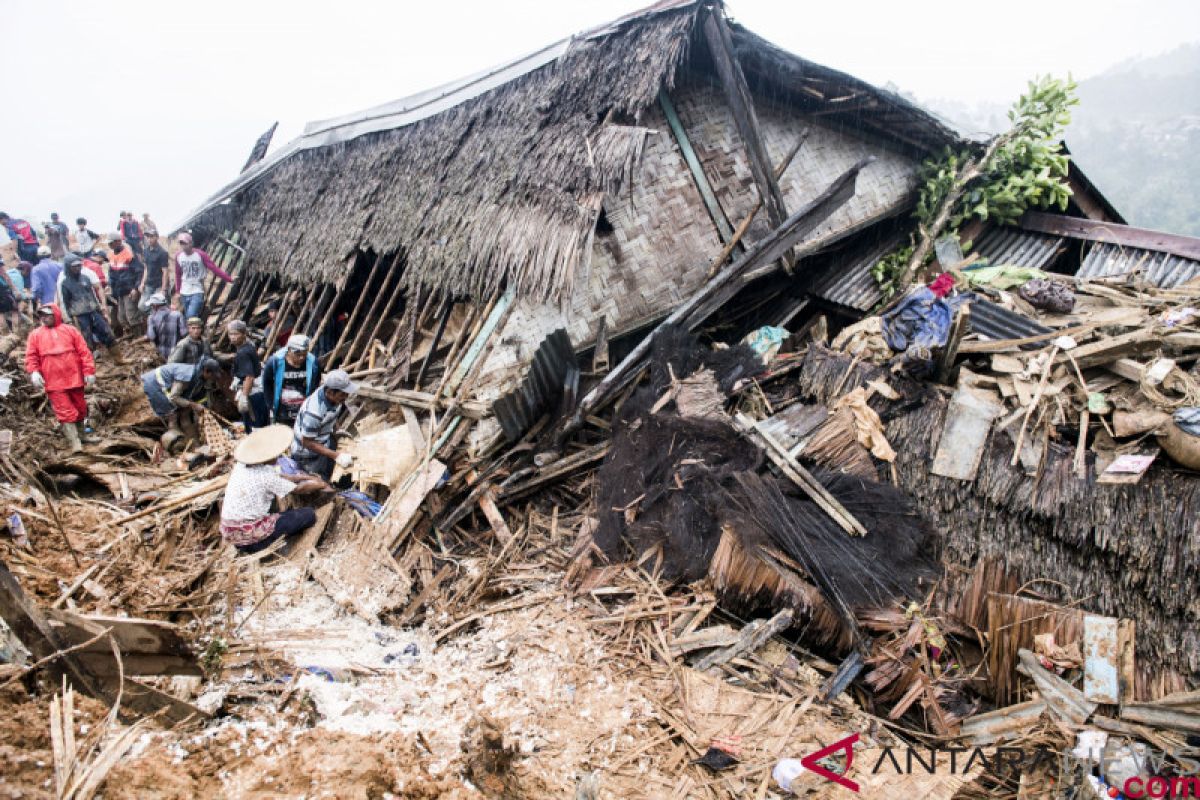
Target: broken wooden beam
751, 638
741, 104
801, 477
423, 400
766, 251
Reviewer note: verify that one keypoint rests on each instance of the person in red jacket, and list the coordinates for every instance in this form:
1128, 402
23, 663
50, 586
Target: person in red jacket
59, 361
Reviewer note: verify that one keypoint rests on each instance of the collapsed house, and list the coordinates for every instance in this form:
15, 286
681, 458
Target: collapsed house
503, 259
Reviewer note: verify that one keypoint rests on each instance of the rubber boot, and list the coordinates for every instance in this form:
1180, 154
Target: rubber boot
87, 434
71, 431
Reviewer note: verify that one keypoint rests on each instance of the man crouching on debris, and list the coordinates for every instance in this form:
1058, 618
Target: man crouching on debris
175, 388
246, 519
59, 361
313, 444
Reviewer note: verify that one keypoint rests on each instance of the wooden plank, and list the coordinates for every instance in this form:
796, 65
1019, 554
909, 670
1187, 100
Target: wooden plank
741, 104
132, 635
1127, 235
968, 422
693, 163
480, 340
1104, 351
32, 628
552, 472
308, 540
423, 400
487, 503
1101, 653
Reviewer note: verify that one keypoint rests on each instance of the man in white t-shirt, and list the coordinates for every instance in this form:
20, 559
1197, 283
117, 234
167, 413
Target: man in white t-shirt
190, 265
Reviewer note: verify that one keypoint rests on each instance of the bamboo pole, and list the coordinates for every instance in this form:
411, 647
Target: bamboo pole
397, 292
371, 314
357, 307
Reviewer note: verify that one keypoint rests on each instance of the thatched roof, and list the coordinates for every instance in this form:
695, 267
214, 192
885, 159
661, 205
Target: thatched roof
496, 179
1126, 551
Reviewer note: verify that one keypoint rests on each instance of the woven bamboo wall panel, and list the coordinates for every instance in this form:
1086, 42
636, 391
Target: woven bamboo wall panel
826, 154
662, 238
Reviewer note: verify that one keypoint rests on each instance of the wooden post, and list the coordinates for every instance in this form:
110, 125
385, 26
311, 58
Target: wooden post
389, 307
246, 297
437, 338
331, 309
724, 229
720, 45
366, 290
306, 308
274, 327
319, 310
378, 314
372, 309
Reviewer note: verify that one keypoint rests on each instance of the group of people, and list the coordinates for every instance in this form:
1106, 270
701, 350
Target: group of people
286, 404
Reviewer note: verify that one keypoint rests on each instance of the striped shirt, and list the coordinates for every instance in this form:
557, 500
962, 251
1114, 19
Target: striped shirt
316, 421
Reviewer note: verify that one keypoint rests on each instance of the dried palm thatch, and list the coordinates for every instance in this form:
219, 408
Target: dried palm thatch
1125, 551
505, 187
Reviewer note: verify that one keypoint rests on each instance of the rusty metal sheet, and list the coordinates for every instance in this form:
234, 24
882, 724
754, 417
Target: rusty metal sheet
1101, 652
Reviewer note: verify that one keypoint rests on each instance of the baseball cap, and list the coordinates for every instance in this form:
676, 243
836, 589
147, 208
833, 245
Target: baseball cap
298, 343
43, 252
339, 381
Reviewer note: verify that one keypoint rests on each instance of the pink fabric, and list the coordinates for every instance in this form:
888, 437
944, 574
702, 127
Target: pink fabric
942, 284
246, 533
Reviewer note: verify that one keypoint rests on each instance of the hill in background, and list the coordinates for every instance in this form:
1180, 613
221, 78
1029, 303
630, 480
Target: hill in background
1136, 133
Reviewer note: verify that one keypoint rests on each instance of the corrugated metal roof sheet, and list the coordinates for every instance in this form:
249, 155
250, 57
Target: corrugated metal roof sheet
849, 282
1160, 269
1019, 248
542, 386
996, 322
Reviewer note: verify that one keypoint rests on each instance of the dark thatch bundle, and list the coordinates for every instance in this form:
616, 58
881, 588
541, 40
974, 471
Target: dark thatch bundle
1124, 551
690, 488
505, 187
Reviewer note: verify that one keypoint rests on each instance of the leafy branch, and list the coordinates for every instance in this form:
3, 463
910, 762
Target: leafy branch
1021, 168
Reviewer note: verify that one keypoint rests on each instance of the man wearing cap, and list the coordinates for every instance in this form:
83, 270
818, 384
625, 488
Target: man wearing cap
192, 347
58, 361
43, 279
164, 327
246, 519
85, 239
124, 278
190, 265
313, 442
81, 299
156, 259
289, 376
247, 377
175, 388
24, 234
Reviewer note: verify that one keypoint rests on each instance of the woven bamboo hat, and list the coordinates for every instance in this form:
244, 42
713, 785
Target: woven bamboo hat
264, 444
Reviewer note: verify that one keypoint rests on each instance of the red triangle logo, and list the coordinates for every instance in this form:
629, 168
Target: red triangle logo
847, 745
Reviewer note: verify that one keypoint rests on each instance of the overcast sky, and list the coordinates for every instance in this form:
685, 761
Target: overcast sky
152, 105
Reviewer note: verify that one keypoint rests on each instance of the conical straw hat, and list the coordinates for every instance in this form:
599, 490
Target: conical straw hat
264, 444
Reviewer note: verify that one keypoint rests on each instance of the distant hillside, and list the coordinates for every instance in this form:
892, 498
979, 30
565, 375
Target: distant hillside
1136, 133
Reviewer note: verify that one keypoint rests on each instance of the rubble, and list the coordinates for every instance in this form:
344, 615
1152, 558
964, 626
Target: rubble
633, 533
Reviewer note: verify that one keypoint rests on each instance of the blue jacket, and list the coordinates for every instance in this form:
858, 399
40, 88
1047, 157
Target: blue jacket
272, 377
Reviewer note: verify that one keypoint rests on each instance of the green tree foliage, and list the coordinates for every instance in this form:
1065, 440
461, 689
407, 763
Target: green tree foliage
1024, 167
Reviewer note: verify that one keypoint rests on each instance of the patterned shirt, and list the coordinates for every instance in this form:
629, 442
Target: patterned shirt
315, 421
250, 490
165, 328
